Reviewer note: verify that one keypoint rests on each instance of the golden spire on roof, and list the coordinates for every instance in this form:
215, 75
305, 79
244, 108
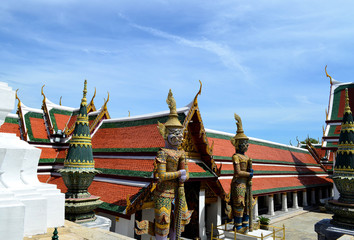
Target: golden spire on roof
60, 100
84, 101
328, 75
347, 107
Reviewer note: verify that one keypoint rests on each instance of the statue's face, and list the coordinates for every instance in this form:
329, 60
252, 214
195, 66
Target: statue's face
243, 146
175, 137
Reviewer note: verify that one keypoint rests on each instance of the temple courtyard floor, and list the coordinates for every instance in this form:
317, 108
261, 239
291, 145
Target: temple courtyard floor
299, 223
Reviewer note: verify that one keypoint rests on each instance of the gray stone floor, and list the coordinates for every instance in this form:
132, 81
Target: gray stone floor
299, 224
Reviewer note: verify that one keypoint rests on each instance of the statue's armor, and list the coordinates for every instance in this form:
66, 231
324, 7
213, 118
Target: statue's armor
167, 164
239, 185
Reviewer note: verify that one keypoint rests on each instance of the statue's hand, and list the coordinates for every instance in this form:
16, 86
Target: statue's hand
183, 176
251, 173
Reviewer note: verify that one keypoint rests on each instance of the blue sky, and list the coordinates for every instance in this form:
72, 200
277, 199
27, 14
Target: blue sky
263, 60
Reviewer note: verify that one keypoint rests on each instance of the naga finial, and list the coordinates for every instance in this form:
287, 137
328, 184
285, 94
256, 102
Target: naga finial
347, 107
19, 101
60, 100
328, 75
105, 102
43, 93
128, 113
195, 101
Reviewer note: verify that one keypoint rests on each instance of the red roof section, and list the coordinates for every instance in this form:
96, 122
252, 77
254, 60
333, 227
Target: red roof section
280, 182
109, 192
10, 128
125, 164
223, 147
48, 152
38, 128
61, 120
265, 167
144, 136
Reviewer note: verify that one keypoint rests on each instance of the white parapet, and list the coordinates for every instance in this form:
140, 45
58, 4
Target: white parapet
55, 199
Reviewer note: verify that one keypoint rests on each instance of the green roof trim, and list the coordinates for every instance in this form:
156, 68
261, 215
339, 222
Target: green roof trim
221, 158
125, 172
289, 188
270, 161
286, 163
125, 149
57, 111
275, 172
221, 136
29, 126
11, 120
51, 160
134, 123
112, 207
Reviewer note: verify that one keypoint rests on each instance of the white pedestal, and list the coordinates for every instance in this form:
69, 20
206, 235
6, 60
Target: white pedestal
12, 215
100, 222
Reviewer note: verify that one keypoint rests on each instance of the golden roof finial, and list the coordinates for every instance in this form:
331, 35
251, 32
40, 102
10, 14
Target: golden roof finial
105, 103
19, 101
199, 93
347, 107
328, 75
43, 93
60, 100
84, 101
128, 113
323, 130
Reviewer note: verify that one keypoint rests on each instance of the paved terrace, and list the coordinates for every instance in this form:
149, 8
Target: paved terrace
73, 231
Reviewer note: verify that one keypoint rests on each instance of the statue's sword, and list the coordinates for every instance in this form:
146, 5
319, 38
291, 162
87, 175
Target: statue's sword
250, 198
178, 210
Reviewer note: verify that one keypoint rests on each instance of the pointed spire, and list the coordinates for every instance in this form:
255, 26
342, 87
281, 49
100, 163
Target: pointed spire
80, 147
347, 107
345, 153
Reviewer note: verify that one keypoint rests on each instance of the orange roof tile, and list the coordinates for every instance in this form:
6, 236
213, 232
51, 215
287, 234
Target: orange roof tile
38, 128
61, 120
125, 164
10, 128
109, 192
223, 147
144, 136
274, 184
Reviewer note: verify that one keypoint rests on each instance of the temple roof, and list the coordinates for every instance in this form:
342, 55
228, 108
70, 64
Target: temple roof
334, 114
271, 162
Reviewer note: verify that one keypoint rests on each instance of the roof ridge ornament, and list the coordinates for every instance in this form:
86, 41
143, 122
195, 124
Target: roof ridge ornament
328, 75
195, 101
44, 98
60, 100
18, 99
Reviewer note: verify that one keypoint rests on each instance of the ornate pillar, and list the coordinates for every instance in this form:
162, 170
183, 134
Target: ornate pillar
202, 232
313, 196
284, 202
295, 202
255, 209
271, 205
304, 198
